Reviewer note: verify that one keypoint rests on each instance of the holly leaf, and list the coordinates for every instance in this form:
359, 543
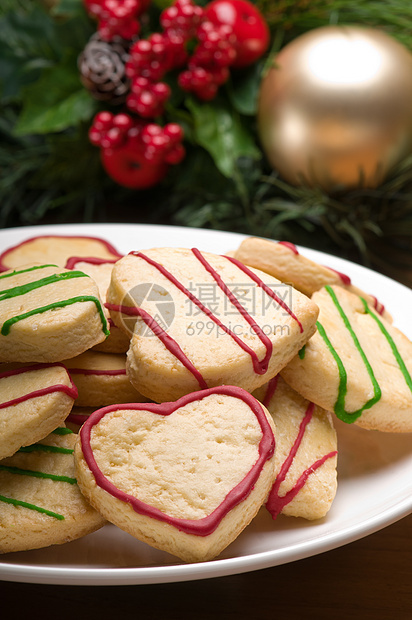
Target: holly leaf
243, 89
56, 101
219, 129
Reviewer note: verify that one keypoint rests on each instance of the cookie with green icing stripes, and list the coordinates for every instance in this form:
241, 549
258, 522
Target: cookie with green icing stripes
40, 501
357, 365
48, 314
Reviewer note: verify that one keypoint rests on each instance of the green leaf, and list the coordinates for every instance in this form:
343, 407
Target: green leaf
56, 101
68, 8
244, 88
220, 130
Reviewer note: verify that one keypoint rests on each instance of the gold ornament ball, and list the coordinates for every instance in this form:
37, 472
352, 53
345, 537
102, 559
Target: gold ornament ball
335, 108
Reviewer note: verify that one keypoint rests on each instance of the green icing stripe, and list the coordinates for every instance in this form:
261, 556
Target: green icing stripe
62, 430
37, 474
395, 351
58, 304
302, 352
16, 273
339, 407
16, 291
17, 502
41, 447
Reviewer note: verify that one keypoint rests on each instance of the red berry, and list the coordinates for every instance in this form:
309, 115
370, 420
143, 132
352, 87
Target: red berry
127, 166
248, 24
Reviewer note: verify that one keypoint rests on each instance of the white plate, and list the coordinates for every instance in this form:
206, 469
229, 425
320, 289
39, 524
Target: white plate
374, 469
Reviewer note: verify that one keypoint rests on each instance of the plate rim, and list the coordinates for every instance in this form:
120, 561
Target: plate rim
399, 508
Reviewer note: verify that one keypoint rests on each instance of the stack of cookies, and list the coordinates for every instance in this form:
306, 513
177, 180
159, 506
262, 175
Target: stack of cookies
192, 389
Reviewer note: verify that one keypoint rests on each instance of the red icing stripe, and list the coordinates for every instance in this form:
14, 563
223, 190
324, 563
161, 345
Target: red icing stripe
170, 344
271, 388
343, 277
380, 308
267, 290
70, 390
276, 503
198, 527
91, 371
291, 246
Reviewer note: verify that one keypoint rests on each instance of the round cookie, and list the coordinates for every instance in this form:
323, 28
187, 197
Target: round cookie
48, 314
40, 502
185, 477
199, 320
34, 400
100, 270
101, 379
306, 453
357, 364
55, 249
282, 260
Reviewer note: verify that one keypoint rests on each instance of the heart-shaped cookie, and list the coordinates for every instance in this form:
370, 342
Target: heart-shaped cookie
199, 320
185, 477
55, 249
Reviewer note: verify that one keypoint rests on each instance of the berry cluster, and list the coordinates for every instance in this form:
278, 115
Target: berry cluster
117, 18
200, 44
135, 153
207, 67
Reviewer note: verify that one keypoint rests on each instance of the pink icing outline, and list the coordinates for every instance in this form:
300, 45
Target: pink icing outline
70, 390
107, 244
198, 527
92, 260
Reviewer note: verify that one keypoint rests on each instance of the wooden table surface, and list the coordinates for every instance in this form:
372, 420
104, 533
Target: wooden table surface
367, 579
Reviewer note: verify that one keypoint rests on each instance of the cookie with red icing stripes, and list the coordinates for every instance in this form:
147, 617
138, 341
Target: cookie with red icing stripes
185, 477
200, 320
55, 249
306, 453
34, 400
283, 260
101, 379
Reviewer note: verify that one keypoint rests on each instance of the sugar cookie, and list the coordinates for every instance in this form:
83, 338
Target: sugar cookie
101, 379
40, 502
282, 260
357, 364
34, 400
48, 314
306, 453
185, 477
202, 320
55, 249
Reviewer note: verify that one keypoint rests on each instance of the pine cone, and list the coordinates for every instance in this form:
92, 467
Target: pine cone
102, 69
